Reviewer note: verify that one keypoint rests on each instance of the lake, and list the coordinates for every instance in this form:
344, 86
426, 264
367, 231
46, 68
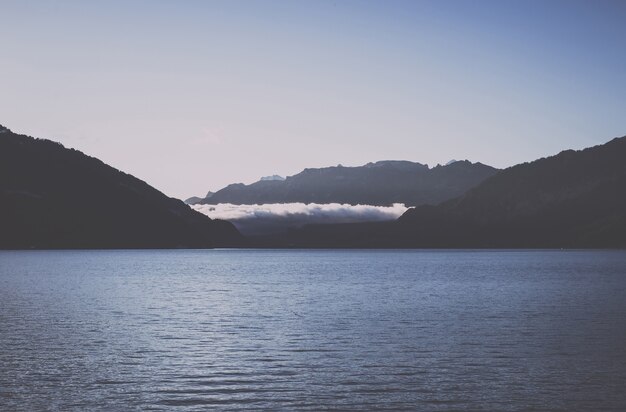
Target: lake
290, 329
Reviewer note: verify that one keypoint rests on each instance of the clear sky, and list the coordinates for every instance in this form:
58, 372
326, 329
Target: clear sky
192, 95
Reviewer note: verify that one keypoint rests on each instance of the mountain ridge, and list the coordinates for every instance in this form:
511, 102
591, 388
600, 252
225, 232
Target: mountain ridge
381, 183
53, 197
574, 199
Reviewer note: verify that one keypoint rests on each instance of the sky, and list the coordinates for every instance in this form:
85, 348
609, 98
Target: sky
193, 95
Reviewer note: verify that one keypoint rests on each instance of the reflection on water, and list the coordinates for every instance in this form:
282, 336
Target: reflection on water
430, 330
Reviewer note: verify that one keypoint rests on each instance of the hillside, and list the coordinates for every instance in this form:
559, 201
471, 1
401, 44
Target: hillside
573, 199
53, 197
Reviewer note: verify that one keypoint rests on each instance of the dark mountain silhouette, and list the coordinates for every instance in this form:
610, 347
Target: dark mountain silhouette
381, 183
53, 197
194, 200
576, 199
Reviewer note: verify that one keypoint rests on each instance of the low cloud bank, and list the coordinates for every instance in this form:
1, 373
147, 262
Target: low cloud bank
278, 217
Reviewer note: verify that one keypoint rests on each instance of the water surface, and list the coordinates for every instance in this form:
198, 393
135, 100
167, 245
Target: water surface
231, 329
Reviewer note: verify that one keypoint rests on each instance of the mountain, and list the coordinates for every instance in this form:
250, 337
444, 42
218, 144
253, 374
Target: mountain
576, 199
272, 177
573, 199
193, 200
381, 183
53, 197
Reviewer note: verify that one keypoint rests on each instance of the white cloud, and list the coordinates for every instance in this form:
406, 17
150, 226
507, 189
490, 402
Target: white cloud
276, 217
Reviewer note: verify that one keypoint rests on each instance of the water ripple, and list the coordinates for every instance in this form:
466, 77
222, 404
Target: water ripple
312, 330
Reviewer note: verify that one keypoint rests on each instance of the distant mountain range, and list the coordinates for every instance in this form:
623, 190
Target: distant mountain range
53, 197
381, 183
576, 199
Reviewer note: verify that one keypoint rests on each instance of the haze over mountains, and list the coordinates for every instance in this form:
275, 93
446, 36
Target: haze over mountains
52, 197
380, 184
